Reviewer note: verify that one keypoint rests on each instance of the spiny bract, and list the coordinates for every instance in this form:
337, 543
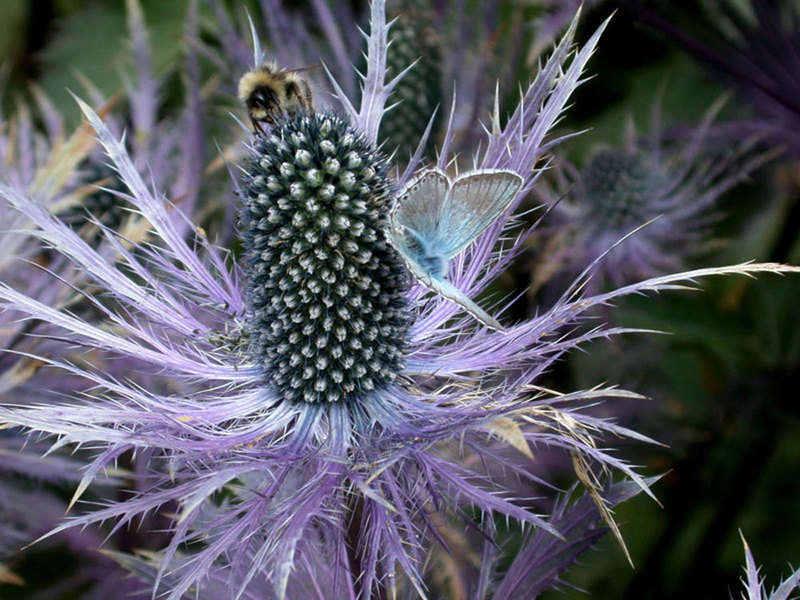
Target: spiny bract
103, 204
327, 291
415, 41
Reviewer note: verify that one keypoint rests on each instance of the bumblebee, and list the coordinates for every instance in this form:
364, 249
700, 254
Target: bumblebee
268, 91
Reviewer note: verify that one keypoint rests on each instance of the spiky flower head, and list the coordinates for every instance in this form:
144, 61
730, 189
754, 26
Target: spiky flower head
264, 483
327, 291
658, 193
621, 185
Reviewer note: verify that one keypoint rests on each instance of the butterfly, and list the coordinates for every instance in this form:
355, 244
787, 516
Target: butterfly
434, 218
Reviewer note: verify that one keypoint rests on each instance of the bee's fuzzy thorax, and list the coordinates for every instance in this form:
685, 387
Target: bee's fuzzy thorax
267, 91
263, 75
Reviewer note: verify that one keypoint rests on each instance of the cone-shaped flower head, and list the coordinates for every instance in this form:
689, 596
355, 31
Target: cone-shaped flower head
620, 185
415, 41
328, 292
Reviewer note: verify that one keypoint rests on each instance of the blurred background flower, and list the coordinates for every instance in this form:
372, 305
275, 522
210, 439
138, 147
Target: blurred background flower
651, 199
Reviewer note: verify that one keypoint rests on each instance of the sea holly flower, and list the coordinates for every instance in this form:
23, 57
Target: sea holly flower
328, 292
659, 193
305, 416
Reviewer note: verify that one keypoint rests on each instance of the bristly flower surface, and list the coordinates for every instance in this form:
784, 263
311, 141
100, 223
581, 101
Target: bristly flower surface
306, 416
416, 38
327, 291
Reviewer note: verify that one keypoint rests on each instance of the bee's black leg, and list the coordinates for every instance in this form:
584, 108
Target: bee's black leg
307, 96
293, 92
258, 126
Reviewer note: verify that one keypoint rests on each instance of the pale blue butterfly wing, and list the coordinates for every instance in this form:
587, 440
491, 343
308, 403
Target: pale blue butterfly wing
419, 208
476, 200
434, 219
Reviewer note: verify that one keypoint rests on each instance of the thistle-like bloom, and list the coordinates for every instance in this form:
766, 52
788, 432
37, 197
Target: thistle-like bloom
668, 188
327, 291
305, 417
61, 170
415, 41
753, 49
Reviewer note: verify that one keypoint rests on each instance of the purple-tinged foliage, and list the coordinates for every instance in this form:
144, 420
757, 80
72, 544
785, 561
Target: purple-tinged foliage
66, 175
481, 52
538, 565
658, 193
26, 511
262, 485
45, 166
170, 153
30, 505
755, 589
754, 49
314, 581
61, 171
542, 560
